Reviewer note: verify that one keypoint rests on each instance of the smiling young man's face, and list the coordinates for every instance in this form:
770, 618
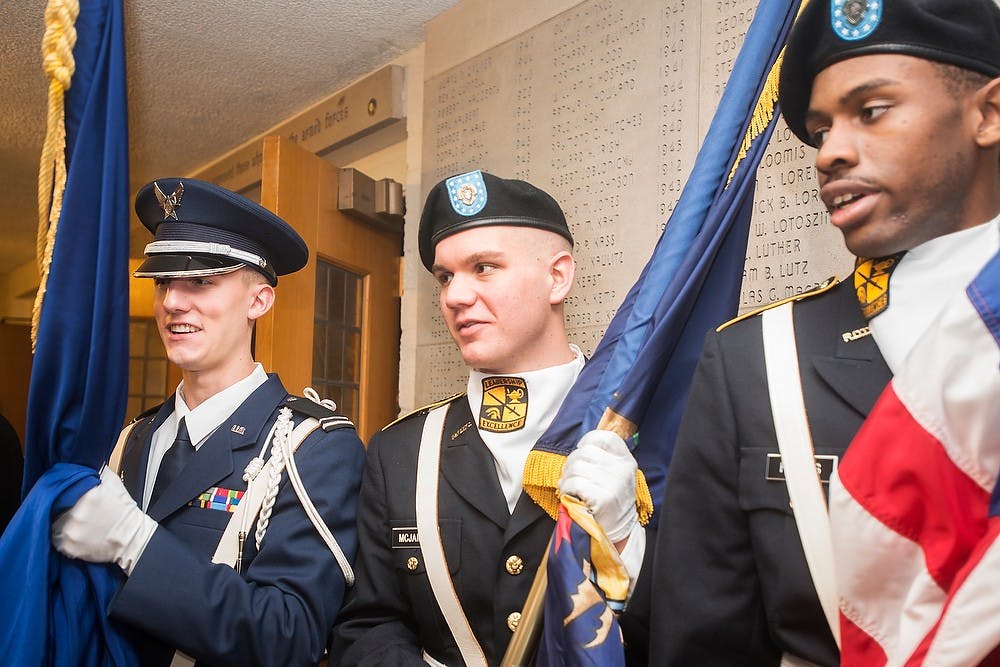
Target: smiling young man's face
897, 156
501, 293
206, 322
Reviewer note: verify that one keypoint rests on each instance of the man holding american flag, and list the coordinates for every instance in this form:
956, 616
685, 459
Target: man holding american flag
901, 98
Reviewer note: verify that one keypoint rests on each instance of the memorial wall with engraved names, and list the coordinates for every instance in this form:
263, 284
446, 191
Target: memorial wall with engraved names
605, 106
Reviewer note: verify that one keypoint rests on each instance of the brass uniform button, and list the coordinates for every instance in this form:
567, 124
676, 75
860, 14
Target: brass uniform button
515, 565
412, 563
513, 619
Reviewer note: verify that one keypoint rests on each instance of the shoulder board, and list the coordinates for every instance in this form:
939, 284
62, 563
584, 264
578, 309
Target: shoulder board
827, 284
145, 413
424, 408
328, 419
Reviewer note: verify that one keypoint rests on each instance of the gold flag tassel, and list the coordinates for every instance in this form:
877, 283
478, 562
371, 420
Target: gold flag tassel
763, 112
58, 63
542, 471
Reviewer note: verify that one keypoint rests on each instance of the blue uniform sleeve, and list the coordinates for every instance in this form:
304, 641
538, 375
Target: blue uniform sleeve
279, 611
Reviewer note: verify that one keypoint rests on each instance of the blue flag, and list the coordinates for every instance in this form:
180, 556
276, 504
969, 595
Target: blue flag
995, 501
690, 284
55, 607
582, 608
651, 347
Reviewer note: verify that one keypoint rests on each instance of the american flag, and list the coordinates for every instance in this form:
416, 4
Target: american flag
914, 511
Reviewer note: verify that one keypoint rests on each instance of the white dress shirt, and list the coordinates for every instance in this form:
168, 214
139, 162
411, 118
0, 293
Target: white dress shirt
927, 278
547, 388
201, 422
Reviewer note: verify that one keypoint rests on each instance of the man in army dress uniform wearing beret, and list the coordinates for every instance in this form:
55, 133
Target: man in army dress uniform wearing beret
271, 593
501, 252
901, 100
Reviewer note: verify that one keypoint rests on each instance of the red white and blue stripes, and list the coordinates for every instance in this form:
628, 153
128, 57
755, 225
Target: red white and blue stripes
914, 508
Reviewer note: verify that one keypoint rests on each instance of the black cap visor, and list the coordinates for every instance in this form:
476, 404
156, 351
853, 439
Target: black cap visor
192, 266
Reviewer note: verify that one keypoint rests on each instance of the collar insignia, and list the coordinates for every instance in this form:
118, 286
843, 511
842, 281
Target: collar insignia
855, 19
505, 404
465, 427
170, 203
467, 193
871, 283
857, 334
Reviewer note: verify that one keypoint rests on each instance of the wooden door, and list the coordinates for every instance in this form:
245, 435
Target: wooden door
335, 323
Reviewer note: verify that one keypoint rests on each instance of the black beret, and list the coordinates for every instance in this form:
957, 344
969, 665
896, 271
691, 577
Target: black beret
202, 229
965, 33
479, 199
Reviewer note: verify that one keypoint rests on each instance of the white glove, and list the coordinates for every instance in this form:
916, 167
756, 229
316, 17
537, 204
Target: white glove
601, 472
104, 526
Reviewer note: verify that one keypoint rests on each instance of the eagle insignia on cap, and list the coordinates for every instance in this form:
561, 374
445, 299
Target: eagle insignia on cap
170, 203
467, 193
855, 19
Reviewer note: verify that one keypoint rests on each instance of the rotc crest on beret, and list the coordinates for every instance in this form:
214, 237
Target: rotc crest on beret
855, 19
467, 193
505, 404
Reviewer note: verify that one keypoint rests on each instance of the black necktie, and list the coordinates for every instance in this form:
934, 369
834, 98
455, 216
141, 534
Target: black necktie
173, 462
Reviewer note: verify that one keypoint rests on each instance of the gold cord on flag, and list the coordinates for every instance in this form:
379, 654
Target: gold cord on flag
59, 66
763, 111
543, 469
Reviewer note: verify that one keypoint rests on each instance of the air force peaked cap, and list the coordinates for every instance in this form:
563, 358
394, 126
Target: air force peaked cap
965, 33
201, 229
479, 199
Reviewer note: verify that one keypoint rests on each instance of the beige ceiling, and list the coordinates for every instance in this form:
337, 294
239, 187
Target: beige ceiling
203, 77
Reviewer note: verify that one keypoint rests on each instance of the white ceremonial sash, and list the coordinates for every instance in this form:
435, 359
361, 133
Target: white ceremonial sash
429, 536
784, 386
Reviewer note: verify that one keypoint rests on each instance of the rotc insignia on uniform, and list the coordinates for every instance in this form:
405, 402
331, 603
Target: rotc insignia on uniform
465, 427
505, 404
855, 19
871, 283
857, 334
467, 193
169, 203
217, 498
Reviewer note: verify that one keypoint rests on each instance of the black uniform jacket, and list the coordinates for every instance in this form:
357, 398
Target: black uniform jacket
730, 581
279, 610
391, 615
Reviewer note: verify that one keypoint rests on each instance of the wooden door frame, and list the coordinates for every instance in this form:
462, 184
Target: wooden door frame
291, 179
